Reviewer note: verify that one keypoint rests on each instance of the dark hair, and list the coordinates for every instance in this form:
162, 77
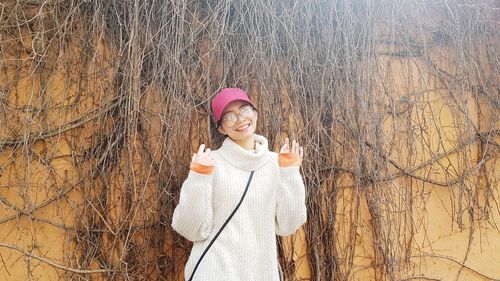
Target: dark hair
216, 137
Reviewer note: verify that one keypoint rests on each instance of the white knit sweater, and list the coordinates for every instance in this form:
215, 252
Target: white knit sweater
274, 205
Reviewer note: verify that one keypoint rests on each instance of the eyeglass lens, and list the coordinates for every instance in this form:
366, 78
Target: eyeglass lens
230, 118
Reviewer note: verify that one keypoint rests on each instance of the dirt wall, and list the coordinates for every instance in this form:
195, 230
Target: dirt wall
102, 103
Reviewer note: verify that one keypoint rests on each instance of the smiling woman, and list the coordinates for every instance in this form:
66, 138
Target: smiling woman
238, 198
238, 122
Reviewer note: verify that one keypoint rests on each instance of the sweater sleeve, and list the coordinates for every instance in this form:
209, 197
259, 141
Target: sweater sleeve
291, 210
193, 215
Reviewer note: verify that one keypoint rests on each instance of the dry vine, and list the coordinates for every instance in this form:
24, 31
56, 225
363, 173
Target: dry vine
102, 102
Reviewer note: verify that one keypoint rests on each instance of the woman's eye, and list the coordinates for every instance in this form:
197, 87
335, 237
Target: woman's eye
229, 117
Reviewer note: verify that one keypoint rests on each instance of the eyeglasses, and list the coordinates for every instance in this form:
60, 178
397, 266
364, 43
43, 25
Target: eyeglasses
229, 119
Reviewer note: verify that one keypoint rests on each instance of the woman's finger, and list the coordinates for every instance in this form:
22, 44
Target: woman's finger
194, 157
284, 147
201, 148
301, 152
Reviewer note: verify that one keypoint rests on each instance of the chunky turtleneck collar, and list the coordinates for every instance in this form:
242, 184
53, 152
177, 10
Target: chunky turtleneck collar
245, 159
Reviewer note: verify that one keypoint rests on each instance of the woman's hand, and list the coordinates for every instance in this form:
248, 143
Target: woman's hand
290, 154
203, 157
294, 148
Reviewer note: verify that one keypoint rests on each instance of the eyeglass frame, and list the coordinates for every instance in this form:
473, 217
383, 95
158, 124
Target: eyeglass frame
237, 115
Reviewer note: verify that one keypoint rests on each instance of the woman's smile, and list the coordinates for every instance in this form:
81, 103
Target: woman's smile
243, 128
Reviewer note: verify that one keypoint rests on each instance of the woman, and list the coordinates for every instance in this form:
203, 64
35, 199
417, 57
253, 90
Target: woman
274, 204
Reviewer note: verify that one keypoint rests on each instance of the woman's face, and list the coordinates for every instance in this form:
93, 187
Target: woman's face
238, 121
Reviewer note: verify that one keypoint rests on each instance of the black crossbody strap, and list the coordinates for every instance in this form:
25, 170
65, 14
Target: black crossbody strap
222, 227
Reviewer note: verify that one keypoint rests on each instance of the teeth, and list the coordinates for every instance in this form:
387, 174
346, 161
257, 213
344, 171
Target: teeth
243, 128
